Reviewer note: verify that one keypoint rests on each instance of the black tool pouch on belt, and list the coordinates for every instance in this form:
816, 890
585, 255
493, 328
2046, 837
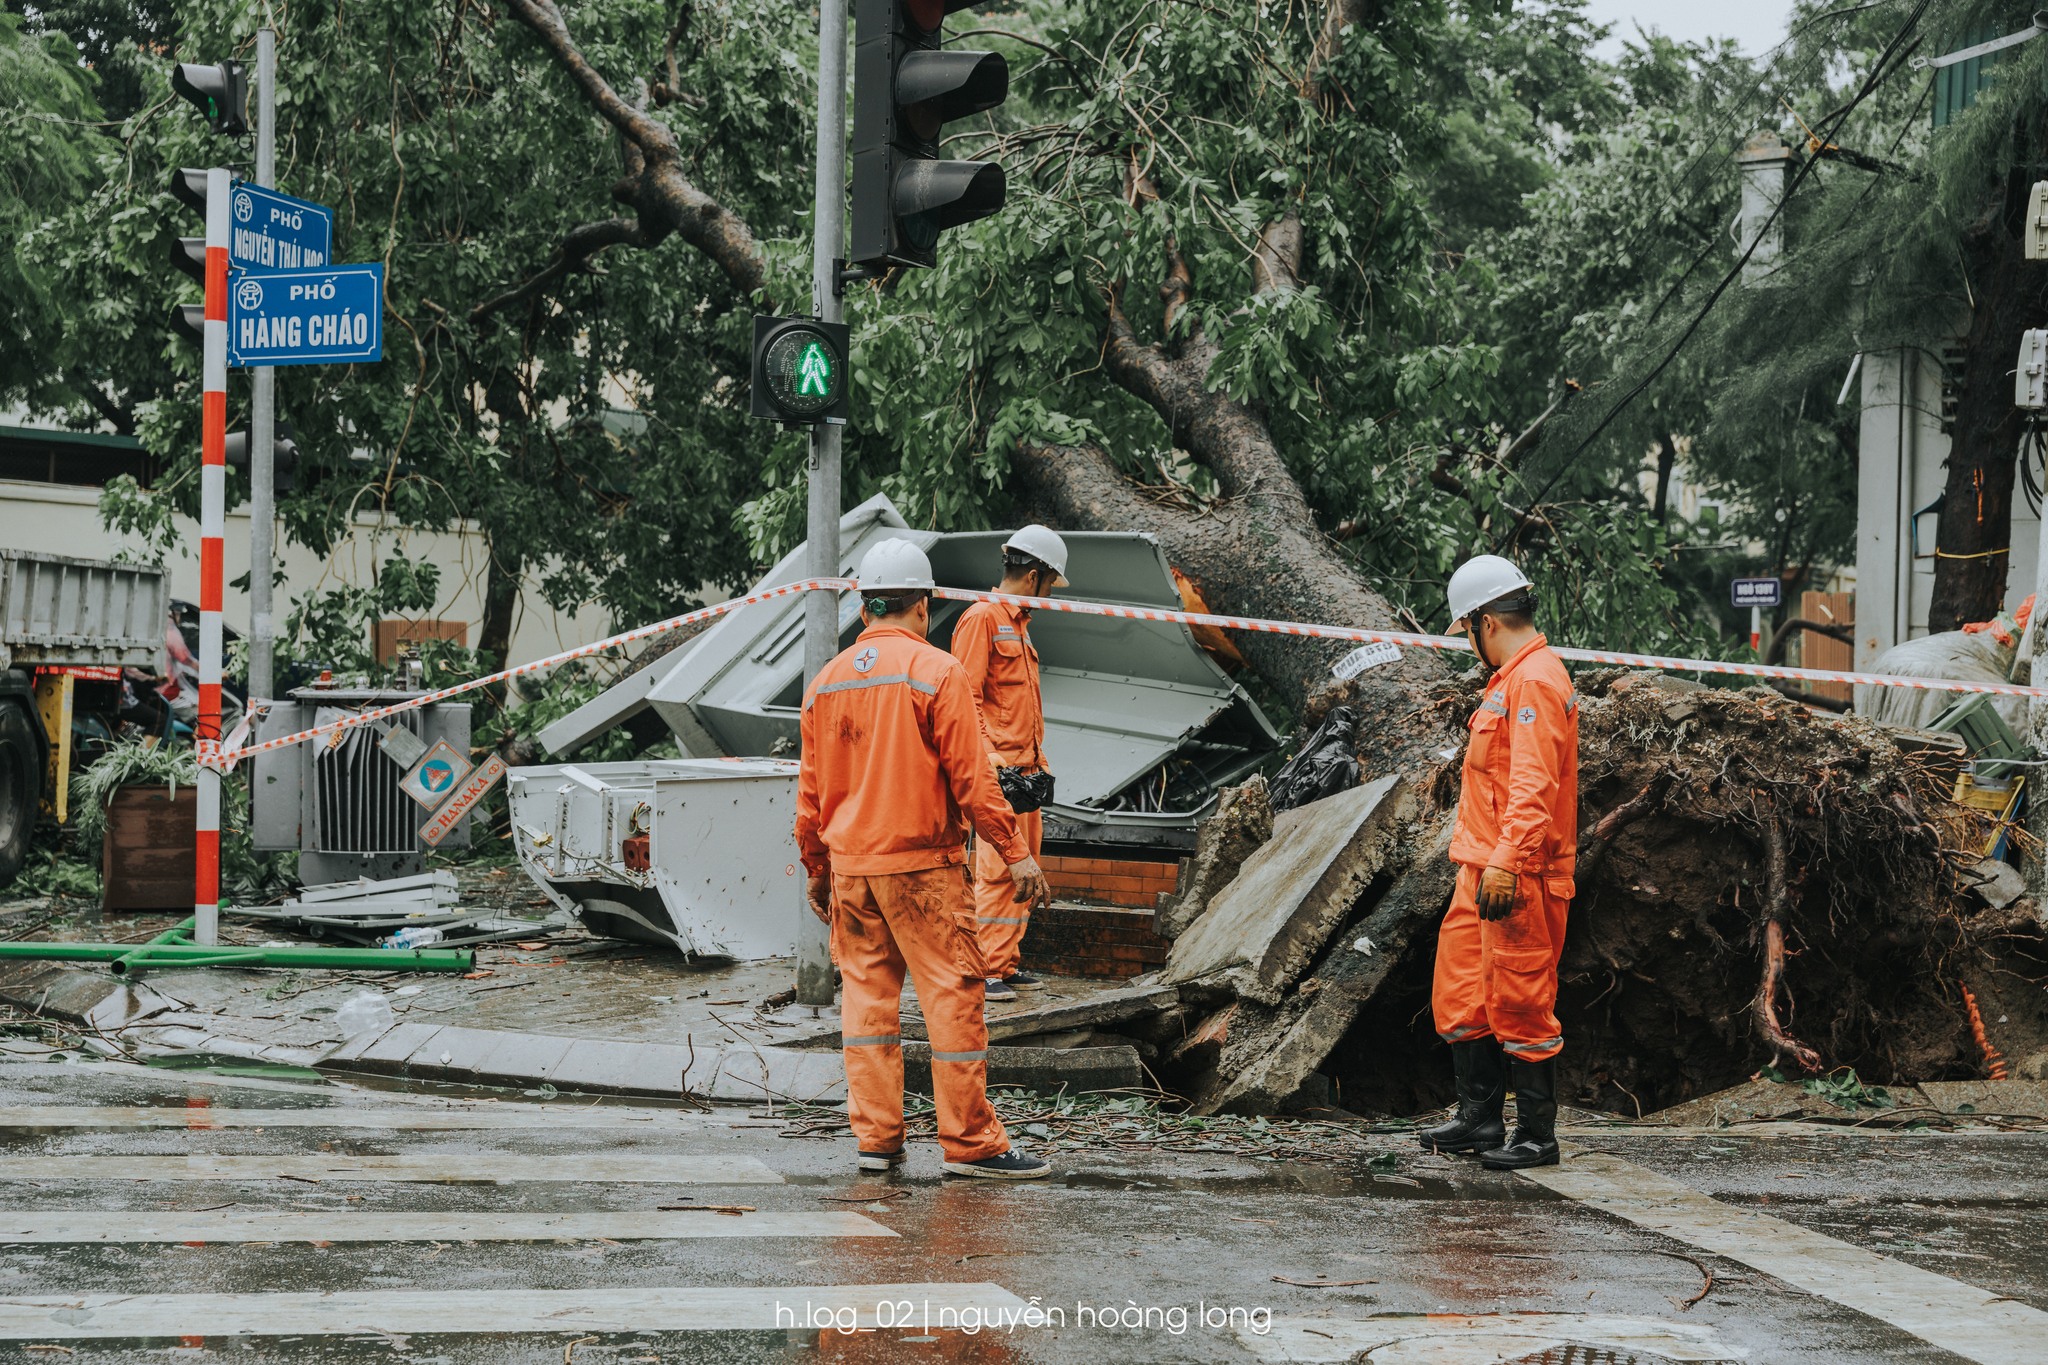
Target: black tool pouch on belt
1026, 791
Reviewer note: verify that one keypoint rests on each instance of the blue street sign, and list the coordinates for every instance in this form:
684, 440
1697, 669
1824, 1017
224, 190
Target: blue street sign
1755, 592
272, 231
306, 317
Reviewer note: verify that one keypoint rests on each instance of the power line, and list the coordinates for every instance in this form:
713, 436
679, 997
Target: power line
1881, 71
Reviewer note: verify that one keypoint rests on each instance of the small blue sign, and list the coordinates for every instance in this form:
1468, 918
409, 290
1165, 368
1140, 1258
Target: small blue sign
306, 317
272, 231
1756, 592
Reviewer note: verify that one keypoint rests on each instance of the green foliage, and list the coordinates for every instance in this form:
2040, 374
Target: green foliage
1486, 211
129, 763
332, 627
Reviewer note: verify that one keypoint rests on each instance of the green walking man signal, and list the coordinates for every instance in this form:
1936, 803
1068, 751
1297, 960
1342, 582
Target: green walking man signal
799, 371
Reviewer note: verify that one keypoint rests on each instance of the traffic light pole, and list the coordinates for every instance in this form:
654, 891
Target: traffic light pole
821, 609
263, 408
213, 438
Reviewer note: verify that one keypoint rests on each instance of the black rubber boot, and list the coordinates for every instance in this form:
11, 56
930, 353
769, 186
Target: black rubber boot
1482, 1087
1535, 1141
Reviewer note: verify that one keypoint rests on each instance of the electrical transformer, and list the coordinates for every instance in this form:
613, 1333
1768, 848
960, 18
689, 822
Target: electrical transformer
337, 799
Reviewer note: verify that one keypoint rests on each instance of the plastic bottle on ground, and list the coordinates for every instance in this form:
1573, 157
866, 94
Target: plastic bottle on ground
367, 1012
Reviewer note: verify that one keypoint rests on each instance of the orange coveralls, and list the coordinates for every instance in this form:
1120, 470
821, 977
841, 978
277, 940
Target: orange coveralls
892, 757
1518, 809
993, 642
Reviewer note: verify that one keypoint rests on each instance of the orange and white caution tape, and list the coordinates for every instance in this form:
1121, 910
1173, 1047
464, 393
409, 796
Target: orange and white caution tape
1351, 634
1359, 635
350, 722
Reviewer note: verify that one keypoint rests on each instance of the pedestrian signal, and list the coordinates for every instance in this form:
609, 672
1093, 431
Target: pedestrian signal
800, 370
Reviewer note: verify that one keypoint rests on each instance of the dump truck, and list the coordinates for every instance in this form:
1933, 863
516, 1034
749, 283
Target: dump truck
67, 629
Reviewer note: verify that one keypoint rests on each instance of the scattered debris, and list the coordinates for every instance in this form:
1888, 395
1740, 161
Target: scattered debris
1686, 1305
397, 912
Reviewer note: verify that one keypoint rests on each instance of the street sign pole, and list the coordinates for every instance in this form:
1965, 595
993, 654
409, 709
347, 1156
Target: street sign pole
821, 609
263, 409
1756, 629
213, 438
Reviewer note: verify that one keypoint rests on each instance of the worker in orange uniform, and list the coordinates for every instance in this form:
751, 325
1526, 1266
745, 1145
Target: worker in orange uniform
892, 774
993, 641
1516, 846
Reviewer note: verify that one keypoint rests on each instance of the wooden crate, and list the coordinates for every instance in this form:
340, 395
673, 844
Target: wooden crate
147, 861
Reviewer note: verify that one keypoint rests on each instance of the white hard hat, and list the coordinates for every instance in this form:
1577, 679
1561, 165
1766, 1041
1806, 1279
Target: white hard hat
1480, 580
895, 563
1043, 545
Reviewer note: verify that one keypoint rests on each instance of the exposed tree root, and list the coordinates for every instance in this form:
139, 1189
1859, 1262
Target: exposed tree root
1593, 847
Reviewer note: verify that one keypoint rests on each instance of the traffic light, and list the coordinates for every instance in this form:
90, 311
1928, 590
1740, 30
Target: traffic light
188, 187
284, 455
221, 92
800, 370
905, 89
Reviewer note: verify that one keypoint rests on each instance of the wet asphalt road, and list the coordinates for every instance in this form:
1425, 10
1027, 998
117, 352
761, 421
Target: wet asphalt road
1122, 1231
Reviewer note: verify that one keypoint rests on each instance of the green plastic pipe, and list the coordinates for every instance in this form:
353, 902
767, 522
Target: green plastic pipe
171, 949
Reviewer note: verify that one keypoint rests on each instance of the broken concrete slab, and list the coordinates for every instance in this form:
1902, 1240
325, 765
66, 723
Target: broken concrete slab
1267, 1054
1240, 825
2007, 1099
1260, 932
1766, 1101
591, 1066
95, 1000
1042, 1069
1104, 1007
1119, 1006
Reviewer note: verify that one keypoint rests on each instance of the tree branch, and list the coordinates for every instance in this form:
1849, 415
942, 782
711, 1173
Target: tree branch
544, 17
572, 255
666, 199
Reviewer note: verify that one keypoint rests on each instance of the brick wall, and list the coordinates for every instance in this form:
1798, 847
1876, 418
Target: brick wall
1127, 882
1092, 940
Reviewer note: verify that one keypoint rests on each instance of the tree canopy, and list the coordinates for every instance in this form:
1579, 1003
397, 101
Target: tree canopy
1330, 295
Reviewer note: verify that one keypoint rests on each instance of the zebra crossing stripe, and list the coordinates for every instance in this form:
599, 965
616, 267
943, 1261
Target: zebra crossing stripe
422, 1119
65, 1226
1973, 1323
452, 1168
746, 1308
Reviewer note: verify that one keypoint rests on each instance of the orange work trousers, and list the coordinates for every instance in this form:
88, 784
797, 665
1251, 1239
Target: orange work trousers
1499, 977
922, 921
999, 920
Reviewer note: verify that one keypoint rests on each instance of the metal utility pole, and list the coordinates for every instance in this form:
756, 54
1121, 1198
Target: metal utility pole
263, 409
821, 609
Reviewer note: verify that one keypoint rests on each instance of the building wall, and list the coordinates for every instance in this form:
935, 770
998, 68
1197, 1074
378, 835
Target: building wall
64, 519
1900, 471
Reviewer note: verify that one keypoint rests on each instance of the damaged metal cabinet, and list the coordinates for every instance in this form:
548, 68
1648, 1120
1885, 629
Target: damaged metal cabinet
719, 876
336, 799
1143, 727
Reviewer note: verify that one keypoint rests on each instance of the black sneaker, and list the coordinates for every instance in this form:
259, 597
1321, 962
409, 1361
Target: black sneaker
880, 1161
1011, 1165
1022, 981
999, 989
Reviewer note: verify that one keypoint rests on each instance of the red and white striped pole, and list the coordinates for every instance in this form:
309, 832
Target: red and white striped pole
213, 440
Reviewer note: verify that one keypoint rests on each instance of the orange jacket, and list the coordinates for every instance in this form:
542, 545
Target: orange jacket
1518, 806
892, 756
993, 642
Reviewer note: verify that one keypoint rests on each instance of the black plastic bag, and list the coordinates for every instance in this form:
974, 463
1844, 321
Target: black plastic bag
1026, 791
1325, 765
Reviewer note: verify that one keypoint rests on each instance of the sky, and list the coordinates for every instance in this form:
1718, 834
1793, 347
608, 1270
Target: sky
1755, 25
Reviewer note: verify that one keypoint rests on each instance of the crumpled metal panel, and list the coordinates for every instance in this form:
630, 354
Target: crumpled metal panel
1122, 697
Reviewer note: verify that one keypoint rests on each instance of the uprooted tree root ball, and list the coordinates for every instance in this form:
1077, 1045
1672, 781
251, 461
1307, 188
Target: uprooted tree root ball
1758, 885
